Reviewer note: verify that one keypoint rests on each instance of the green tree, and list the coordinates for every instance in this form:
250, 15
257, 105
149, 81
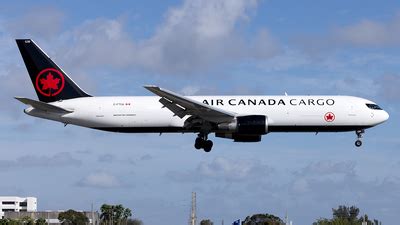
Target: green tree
13, 222
114, 214
72, 217
40, 221
206, 222
118, 213
134, 222
344, 215
106, 212
26, 220
263, 219
126, 215
3, 221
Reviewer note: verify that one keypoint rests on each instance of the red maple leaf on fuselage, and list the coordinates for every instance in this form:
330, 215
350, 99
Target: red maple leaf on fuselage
50, 82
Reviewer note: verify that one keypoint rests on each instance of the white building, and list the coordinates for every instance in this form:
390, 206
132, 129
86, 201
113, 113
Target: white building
17, 204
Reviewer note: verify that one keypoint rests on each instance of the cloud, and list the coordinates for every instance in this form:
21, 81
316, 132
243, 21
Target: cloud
146, 157
195, 36
190, 90
223, 169
389, 87
328, 168
106, 158
371, 33
365, 34
44, 22
58, 160
100, 180
83, 151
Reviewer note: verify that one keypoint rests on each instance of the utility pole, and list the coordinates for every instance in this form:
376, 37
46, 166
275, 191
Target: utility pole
193, 217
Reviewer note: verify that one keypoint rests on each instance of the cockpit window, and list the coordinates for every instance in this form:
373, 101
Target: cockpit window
373, 106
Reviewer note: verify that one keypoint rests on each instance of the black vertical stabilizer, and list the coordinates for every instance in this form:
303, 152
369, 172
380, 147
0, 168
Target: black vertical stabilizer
50, 82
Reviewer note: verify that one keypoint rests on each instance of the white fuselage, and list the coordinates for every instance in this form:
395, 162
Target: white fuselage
284, 113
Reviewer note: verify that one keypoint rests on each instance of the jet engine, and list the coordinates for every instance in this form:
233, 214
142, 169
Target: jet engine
244, 128
254, 124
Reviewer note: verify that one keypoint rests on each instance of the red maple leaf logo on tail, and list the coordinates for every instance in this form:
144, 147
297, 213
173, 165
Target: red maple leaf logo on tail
49, 82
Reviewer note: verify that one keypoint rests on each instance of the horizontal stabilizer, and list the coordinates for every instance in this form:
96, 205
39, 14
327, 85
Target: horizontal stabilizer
43, 106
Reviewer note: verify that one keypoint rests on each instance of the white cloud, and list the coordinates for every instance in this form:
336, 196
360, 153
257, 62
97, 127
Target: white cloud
58, 160
366, 34
190, 90
106, 158
328, 167
44, 22
224, 169
193, 37
100, 180
389, 86
146, 157
371, 33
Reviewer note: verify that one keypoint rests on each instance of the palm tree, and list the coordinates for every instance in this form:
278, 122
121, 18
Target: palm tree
127, 213
106, 213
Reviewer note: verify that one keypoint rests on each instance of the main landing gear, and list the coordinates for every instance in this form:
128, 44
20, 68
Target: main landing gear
359, 134
202, 142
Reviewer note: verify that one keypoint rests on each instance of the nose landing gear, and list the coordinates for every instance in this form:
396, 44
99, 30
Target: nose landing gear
202, 142
359, 134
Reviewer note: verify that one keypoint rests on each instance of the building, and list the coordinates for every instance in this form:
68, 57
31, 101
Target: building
51, 217
17, 204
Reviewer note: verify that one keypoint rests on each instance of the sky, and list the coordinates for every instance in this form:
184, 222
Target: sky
205, 47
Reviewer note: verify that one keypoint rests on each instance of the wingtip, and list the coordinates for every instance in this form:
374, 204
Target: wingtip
20, 99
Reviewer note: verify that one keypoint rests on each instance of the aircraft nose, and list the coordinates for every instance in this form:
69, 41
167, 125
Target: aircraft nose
385, 116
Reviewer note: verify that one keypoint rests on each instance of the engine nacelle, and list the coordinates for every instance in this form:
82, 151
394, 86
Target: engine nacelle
240, 137
254, 124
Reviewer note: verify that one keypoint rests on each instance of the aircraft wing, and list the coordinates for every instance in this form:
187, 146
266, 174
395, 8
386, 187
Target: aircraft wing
43, 106
182, 106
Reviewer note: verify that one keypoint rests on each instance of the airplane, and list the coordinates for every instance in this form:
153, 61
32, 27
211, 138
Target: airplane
239, 118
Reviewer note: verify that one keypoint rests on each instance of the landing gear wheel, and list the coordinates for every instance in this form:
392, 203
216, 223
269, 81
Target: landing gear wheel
208, 146
198, 144
359, 134
201, 142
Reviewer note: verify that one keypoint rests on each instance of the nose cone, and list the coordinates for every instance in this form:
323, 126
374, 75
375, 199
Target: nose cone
382, 116
385, 116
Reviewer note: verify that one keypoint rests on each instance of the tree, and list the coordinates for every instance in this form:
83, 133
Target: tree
40, 221
347, 213
27, 220
126, 215
106, 212
13, 222
353, 213
72, 217
114, 214
134, 222
206, 222
3, 221
263, 219
118, 211
344, 215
